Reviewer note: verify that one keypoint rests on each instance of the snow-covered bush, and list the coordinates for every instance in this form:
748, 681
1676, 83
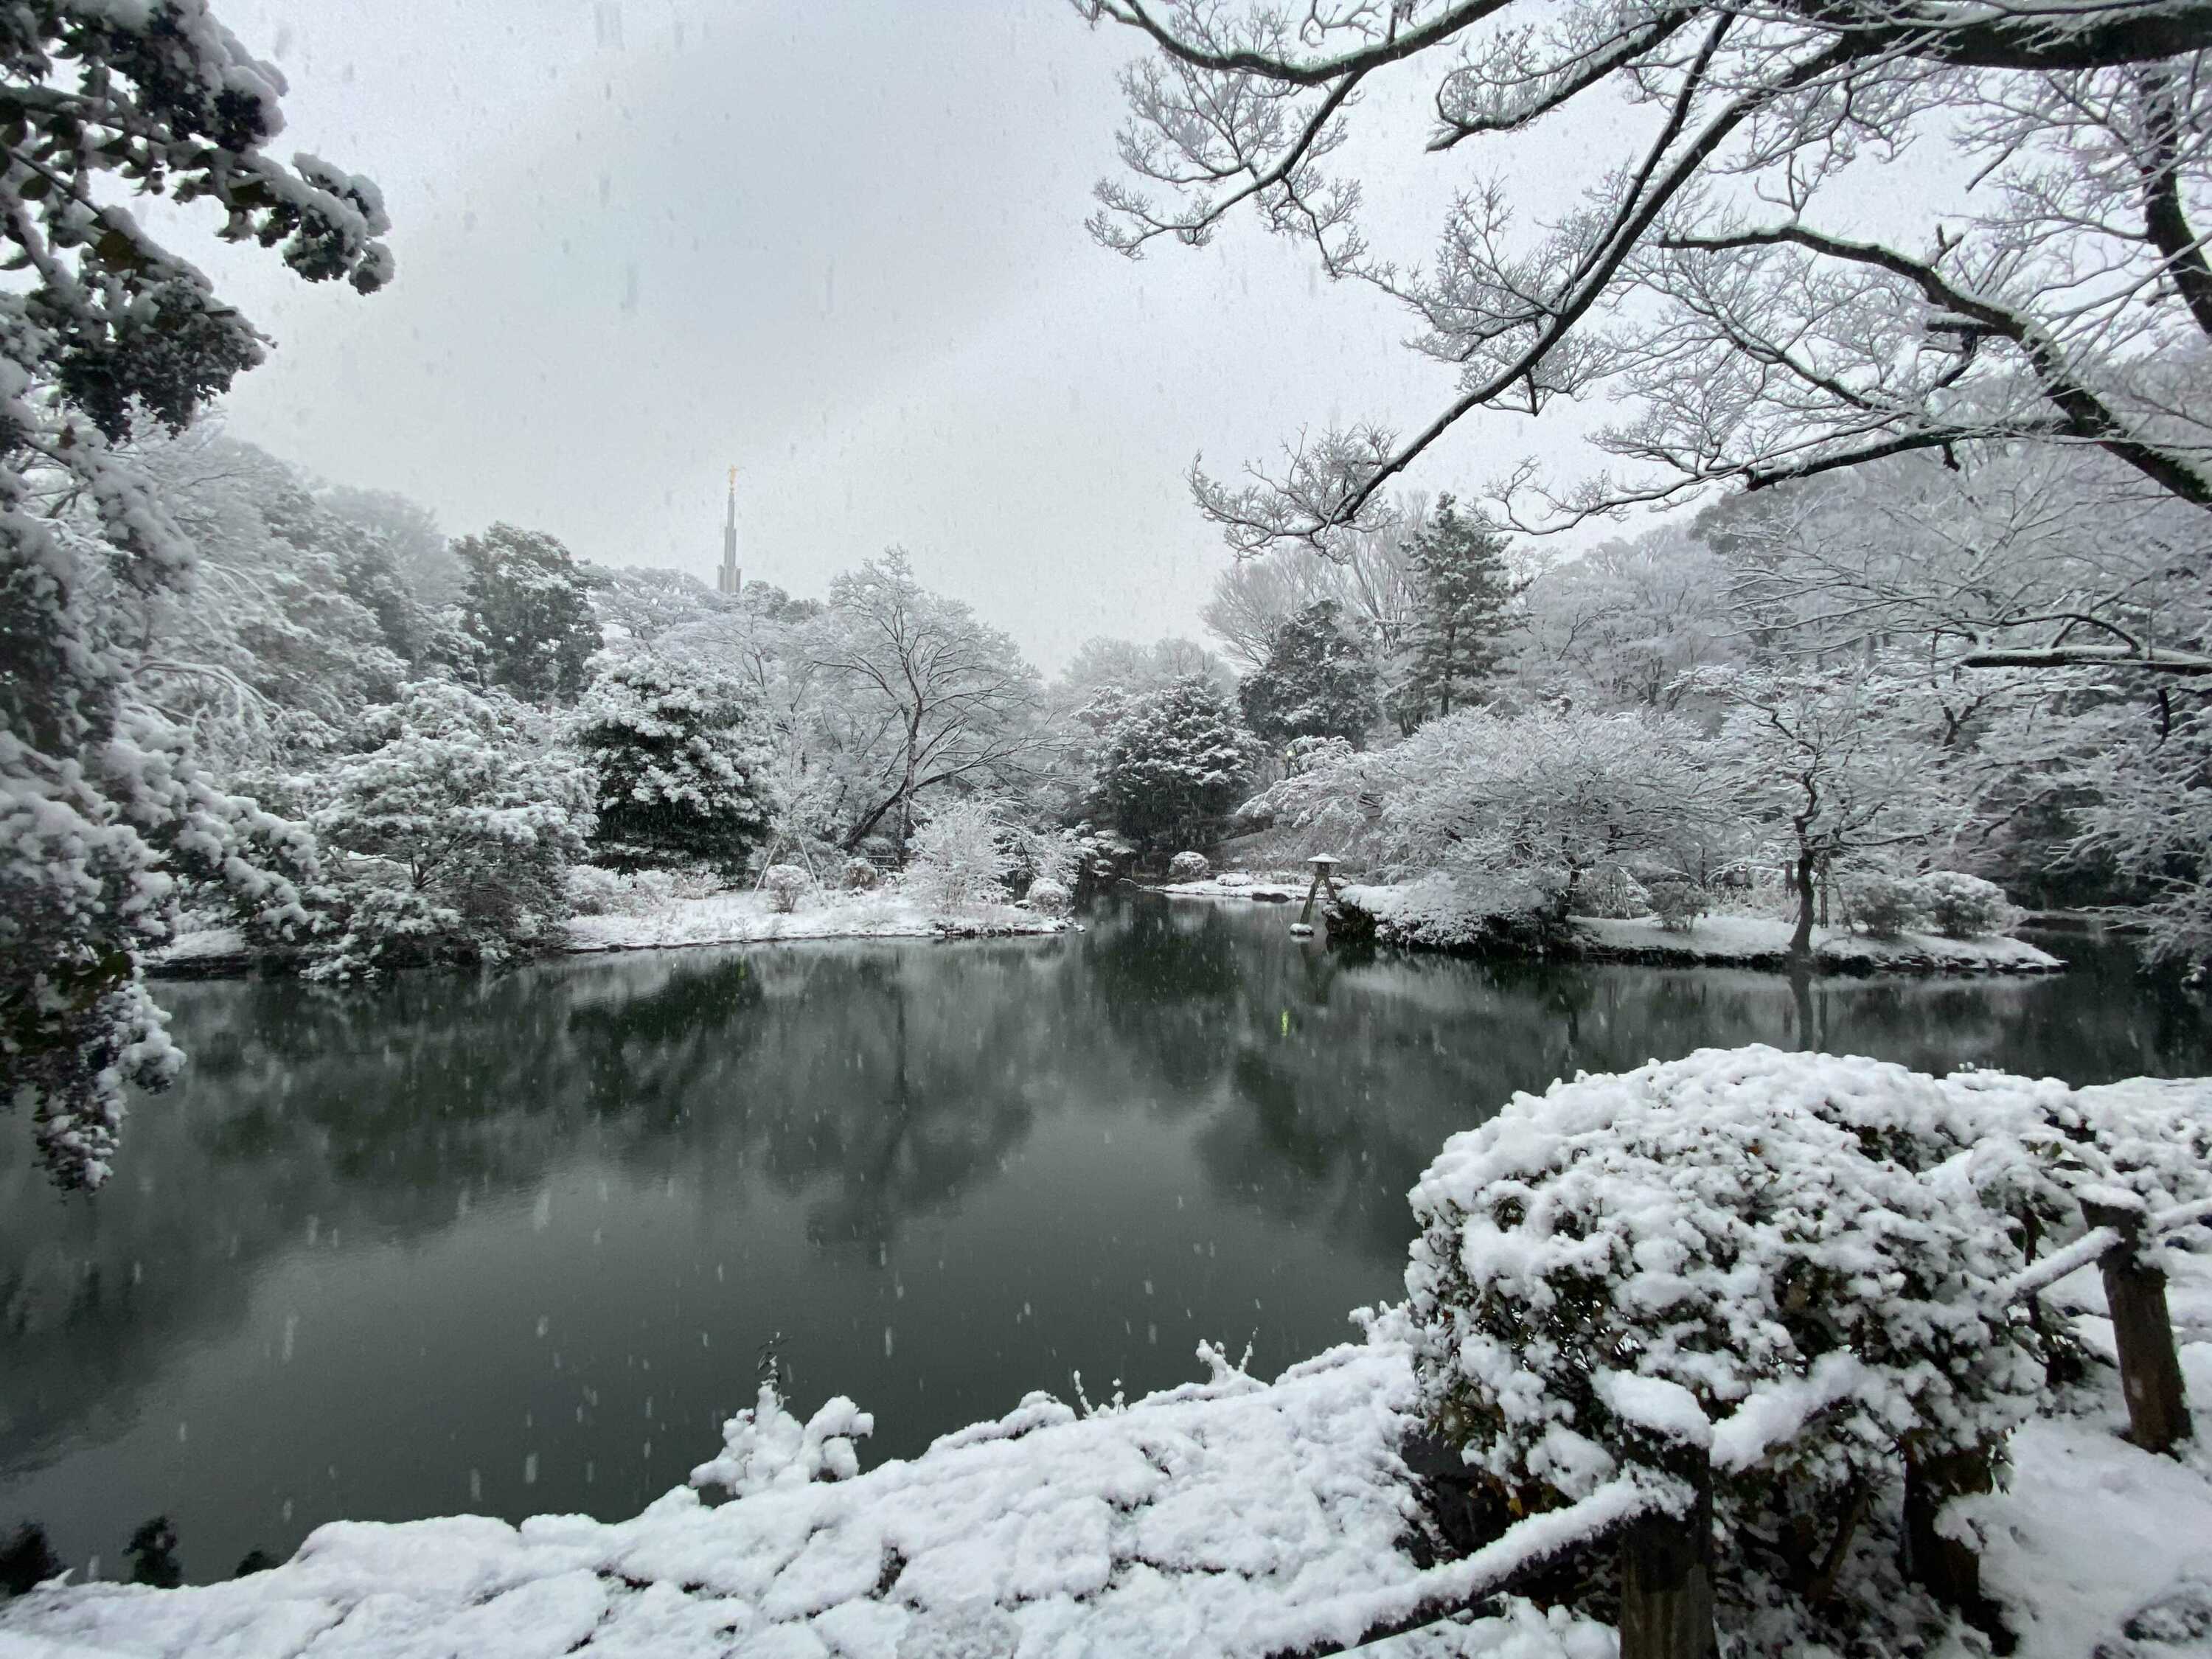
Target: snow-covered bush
1960, 906
1791, 1258
785, 883
962, 857
1610, 890
1886, 906
1677, 903
1048, 897
452, 828
859, 875
1190, 866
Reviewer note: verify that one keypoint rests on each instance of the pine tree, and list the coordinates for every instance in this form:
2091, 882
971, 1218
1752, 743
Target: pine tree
529, 611
1175, 766
1319, 681
682, 764
1462, 611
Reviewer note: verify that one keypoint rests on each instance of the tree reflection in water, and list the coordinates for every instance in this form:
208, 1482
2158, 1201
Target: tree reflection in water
509, 1243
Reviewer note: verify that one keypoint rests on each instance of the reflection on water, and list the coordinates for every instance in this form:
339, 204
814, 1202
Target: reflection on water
512, 1245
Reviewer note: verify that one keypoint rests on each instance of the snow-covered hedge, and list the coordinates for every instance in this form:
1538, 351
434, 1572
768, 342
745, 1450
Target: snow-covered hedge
1190, 866
1812, 1244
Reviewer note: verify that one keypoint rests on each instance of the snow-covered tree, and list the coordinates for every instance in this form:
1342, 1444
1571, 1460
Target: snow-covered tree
1716, 274
1463, 595
961, 858
527, 606
642, 604
1174, 765
914, 694
2149, 818
1627, 624
447, 834
1842, 766
1365, 570
103, 329
682, 764
1535, 800
1319, 681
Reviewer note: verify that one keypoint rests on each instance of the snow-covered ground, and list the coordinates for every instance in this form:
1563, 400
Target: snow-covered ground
1761, 939
747, 917
1234, 884
1433, 913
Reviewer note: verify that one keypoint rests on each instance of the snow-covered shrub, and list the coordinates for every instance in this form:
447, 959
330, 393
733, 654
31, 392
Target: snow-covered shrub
1960, 906
962, 857
859, 875
1234, 878
1313, 754
1791, 1257
784, 885
1048, 897
765, 1447
1677, 903
1610, 890
457, 819
595, 890
1885, 905
1190, 866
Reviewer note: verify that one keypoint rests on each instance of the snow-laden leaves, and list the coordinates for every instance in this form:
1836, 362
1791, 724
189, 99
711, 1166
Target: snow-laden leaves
99, 810
1808, 1251
682, 762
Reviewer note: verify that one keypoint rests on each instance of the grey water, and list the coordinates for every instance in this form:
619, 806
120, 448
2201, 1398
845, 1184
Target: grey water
512, 1244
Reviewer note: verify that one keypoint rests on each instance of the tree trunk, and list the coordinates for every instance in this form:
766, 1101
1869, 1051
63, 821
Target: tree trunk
1800, 940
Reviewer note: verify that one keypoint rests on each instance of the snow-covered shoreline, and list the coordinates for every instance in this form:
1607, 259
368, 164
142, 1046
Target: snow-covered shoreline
745, 918
748, 918
1430, 914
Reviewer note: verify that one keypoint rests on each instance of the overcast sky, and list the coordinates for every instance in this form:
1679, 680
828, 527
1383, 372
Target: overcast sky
841, 246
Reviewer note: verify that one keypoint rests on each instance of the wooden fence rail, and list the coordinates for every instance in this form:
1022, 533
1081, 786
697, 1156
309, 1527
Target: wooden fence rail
1662, 1522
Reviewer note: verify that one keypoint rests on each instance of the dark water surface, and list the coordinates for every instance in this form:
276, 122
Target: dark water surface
512, 1245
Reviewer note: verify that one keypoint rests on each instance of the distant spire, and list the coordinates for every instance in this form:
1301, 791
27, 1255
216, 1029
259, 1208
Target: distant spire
730, 578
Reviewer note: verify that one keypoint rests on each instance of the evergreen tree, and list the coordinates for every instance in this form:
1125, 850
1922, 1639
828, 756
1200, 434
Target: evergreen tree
683, 765
1460, 611
528, 609
1319, 681
1175, 766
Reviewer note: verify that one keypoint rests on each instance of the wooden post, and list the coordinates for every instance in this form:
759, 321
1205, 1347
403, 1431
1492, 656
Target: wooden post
1667, 1578
2134, 1287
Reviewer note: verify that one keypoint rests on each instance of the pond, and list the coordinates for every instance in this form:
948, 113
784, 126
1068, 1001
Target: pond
514, 1245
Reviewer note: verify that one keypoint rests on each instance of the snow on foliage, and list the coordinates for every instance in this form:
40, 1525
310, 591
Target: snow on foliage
101, 812
1048, 897
1963, 906
1174, 764
1798, 1261
527, 607
682, 766
765, 1446
1190, 866
1534, 801
785, 885
448, 833
960, 859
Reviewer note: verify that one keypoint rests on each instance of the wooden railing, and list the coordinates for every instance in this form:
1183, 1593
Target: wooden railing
1661, 1519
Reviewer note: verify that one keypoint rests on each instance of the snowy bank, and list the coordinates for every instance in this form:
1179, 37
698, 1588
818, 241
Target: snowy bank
748, 918
1234, 884
1432, 914
1187, 1523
